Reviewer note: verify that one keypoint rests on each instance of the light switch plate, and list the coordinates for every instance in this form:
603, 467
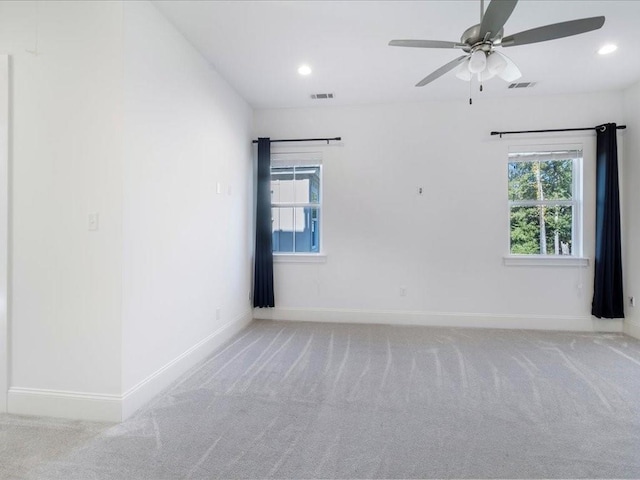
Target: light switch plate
93, 221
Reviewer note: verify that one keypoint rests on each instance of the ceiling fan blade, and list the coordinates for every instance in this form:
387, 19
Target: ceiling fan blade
509, 73
497, 14
441, 71
426, 44
551, 32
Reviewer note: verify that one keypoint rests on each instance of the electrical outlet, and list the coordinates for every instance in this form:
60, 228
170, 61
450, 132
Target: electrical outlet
632, 301
403, 291
218, 314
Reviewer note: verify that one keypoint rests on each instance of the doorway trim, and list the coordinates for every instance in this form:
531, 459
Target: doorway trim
4, 230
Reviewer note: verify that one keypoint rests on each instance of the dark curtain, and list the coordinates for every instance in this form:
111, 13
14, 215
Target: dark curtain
608, 300
263, 269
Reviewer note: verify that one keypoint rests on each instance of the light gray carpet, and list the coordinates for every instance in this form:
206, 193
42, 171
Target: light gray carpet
27, 442
296, 400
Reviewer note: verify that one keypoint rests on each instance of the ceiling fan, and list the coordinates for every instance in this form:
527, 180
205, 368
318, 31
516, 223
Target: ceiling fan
479, 43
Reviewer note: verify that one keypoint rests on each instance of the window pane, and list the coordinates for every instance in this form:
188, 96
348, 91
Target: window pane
558, 223
522, 181
296, 229
525, 230
307, 184
541, 180
545, 230
307, 230
282, 221
282, 185
556, 178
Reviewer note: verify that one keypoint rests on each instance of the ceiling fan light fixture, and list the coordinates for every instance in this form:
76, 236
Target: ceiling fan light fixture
477, 61
463, 72
510, 74
496, 63
485, 75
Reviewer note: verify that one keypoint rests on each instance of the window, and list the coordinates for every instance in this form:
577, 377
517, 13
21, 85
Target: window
545, 204
296, 203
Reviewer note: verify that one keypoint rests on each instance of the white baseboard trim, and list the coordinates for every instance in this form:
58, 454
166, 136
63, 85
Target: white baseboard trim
116, 408
632, 328
56, 403
140, 394
441, 319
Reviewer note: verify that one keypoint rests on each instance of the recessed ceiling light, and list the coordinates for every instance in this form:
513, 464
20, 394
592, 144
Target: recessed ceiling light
605, 49
304, 70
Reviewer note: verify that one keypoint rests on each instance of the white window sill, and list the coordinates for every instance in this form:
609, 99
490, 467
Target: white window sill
546, 261
299, 258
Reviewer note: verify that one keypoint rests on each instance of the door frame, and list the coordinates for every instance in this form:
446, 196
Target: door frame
4, 231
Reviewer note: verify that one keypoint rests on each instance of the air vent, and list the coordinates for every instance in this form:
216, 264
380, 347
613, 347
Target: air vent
523, 85
321, 96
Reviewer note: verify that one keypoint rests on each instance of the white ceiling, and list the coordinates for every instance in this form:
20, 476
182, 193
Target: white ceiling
257, 47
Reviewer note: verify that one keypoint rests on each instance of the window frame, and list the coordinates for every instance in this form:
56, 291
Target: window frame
302, 159
576, 257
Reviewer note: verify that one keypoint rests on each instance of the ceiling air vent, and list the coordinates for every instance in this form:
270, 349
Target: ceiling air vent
522, 85
321, 96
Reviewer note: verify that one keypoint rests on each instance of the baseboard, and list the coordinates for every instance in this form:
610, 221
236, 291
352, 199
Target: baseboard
63, 404
151, 386
439, 319
116, 408
632, 328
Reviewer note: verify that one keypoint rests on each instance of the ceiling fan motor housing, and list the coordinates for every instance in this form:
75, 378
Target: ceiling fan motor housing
471, 37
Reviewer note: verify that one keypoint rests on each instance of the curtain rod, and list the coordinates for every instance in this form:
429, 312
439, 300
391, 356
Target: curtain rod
337, 139
619, 127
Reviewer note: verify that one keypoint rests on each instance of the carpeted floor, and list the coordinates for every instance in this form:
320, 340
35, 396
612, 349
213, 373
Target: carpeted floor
301, 400
28, 442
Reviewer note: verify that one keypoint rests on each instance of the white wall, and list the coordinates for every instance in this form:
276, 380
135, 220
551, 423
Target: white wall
631, 215
186, 247
446, 246
112, 111
65, 161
